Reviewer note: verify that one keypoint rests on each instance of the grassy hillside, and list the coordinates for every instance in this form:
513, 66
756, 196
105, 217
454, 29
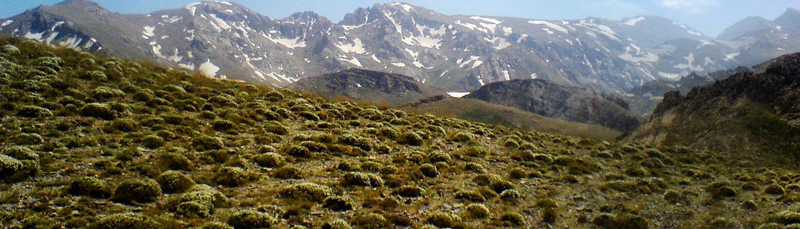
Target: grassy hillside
485, 112
93, 142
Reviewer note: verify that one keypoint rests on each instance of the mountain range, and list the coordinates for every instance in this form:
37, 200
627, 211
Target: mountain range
454, 52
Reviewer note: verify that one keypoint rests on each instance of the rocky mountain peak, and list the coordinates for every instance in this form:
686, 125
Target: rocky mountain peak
749, 24
85, 6
790, 19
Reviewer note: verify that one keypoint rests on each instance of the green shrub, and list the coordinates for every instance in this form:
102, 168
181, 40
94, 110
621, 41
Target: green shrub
124, 125
9, 167
510, 195
749, 205
409, 191
21, 153
410, 138
270, 160
442, 220
500, 185
175, 161
232, 176
306, 191
125, 220
513, 218
429, 170
774, 189
31, 111
205, 143
276, 128
205, 195
153, 141
28, 139
98, 110
94, 75
371, 221
517, 173
338, 203
786, 217
721, 223
624, 221
103, 93
474, 167
288, 172
11, 50
462, 137
222, 125
672, 196
309, 116
438, 157
473, 196
477, 211
251, 220
721, 190
336, 224
298, 151
90, 186
174, 182
194, 209
362, 179
143, 190
216, 225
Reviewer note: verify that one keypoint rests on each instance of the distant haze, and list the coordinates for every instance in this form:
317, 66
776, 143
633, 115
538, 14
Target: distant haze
707, 16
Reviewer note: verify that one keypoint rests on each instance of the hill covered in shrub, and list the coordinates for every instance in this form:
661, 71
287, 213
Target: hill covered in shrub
95, 142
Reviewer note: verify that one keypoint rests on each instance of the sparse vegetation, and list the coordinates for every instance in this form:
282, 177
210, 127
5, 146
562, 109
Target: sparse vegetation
185, 151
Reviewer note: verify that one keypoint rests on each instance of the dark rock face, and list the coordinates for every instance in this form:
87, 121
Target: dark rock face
556, 101
750, 110
378, 87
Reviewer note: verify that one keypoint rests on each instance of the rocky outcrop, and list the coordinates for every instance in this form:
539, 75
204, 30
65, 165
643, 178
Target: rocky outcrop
557, 101
750, 110
365, 85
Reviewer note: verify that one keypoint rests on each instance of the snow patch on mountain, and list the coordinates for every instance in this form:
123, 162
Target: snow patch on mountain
7, 22
670, 76
34, 36
634, 21
732, 56
490, 20
551, 25
192, 7
457, 94
357, 47
219, 23
353, 61
602, 29
690, 65
289, 43
405, 7
149, 31
635, 54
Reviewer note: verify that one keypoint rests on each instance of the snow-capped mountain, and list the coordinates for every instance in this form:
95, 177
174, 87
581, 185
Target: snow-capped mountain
460, 53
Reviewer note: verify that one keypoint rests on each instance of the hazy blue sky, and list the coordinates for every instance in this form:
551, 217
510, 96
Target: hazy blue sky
707, 16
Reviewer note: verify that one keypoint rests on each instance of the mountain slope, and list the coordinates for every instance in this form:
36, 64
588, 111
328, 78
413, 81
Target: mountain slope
376, 87
459, 53
749, 111
100, 142
484, 112
556, 101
